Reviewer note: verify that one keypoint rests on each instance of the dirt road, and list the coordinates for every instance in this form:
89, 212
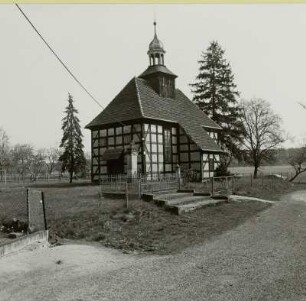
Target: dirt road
263, 259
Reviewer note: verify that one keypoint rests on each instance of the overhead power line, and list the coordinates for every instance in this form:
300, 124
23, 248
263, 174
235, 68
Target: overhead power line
302, 105
58, 58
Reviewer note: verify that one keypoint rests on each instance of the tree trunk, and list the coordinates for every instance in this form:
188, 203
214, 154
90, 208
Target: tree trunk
296, 174
255, 171
70, 176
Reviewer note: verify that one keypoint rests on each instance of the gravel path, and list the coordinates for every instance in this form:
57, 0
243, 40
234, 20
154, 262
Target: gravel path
263, 259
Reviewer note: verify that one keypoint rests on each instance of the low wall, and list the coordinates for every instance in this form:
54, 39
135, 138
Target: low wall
119, 195
23, 241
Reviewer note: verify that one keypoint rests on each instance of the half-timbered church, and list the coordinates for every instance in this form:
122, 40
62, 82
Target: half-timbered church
151, 127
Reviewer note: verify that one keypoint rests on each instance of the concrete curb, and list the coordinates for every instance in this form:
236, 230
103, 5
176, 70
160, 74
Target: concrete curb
21, 242
247, 198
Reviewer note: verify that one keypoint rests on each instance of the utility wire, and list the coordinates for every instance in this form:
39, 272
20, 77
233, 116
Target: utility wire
58, 58
63, 64
302, 105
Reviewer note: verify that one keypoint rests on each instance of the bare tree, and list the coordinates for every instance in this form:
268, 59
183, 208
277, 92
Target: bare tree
37, 164
22, 156
263, 132
52, 156
297, 160
4, 150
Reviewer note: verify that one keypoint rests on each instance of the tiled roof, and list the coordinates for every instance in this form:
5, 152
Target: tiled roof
155, 69
138, 100
125, 106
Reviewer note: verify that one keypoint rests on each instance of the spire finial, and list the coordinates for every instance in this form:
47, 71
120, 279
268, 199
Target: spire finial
154, 26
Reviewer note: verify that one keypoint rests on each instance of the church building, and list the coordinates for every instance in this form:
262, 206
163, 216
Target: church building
151, 127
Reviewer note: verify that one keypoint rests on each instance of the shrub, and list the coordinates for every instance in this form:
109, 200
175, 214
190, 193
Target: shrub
222, 171
99, 237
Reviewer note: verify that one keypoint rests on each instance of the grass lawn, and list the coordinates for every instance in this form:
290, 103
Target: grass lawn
78, 212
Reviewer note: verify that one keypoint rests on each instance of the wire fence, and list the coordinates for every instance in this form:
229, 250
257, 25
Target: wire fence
214, 186
14, 178
285, 172
123, 184
224, 186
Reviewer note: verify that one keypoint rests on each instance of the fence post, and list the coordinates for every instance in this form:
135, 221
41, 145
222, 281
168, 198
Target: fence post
212, 186
101, 190
28, 210
139, 187
126, 195
178, 174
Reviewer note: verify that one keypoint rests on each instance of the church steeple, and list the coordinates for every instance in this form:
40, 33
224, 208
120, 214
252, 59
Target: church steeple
156, 50
160, 78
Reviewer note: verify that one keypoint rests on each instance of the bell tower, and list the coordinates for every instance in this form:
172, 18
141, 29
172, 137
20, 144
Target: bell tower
161, 79
156, 50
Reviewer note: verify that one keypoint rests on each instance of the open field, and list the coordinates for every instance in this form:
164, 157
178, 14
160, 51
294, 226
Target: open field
284, 170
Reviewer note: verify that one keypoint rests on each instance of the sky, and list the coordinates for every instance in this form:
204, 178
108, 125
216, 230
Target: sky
106, 45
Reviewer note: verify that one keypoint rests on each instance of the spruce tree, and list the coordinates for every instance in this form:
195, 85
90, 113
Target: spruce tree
72, 158
216, 94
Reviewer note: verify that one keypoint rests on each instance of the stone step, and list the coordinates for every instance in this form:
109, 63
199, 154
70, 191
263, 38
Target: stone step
148, 197
179, 201
171, 196
183, 208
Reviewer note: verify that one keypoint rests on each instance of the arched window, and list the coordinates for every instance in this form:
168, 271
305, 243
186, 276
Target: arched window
156, 59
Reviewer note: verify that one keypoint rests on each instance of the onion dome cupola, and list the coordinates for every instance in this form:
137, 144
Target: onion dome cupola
156, 50
160, 78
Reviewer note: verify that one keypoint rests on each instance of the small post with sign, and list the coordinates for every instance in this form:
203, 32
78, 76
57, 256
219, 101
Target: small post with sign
44, 209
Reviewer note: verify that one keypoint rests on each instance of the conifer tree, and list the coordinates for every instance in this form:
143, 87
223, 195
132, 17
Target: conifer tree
216, 94
72, 158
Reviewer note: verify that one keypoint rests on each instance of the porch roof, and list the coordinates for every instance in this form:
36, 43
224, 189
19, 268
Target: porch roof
112, 154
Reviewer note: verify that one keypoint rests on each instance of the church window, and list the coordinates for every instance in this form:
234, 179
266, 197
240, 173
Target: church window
167, 146
110, 131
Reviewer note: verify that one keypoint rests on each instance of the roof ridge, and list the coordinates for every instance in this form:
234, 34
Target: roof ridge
138, 96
